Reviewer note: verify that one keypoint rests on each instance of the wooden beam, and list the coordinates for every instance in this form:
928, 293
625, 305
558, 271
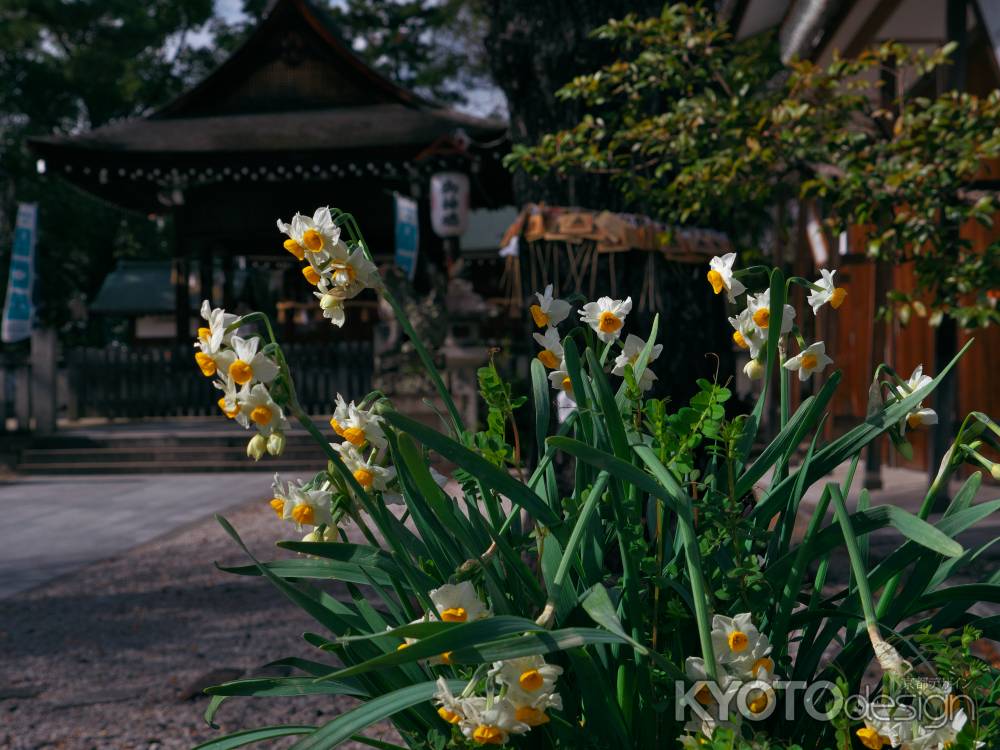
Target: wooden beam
958, 32
874, 21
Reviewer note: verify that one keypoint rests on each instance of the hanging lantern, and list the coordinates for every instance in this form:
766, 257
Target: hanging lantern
449, 203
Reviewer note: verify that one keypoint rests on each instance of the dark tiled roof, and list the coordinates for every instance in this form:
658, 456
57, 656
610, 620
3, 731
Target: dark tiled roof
136, 287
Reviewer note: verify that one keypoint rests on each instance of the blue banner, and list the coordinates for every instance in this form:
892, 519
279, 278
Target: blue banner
407, 234
19, 309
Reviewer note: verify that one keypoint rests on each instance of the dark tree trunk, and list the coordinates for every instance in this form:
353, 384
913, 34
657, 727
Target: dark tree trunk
535, 48
945, 400
946, 335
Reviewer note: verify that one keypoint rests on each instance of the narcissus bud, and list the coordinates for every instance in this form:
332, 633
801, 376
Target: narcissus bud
754, 369
327, 301
257, 447
276, 443
329, 535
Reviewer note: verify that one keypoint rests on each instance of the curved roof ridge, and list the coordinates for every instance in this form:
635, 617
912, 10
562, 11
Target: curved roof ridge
238, 65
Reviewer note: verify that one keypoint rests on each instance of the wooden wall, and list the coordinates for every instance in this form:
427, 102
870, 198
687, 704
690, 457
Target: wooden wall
849, 331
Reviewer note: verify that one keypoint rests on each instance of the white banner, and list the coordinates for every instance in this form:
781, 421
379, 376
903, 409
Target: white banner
19, 310
449, 203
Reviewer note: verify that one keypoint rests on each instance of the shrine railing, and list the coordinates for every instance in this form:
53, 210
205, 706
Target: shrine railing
163, 381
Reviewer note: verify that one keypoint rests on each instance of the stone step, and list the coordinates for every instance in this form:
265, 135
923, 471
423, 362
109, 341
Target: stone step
166, 446
188, 444
157, 453
300, 468
127, 439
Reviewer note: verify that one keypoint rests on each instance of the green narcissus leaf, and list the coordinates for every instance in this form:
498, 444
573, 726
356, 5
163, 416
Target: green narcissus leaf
371, 712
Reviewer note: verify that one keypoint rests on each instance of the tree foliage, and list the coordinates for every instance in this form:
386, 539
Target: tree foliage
696, 127
68, 67
434, 48
534, 49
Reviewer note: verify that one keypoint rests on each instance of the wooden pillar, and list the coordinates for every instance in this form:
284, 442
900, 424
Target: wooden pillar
182, 302
206, 274
22, 397
882, 272
44, 371
227, 280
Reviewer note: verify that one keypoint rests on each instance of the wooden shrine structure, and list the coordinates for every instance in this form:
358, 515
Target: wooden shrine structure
290, 121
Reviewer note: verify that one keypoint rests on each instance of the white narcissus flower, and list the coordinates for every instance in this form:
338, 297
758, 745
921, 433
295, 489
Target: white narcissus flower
450, 708
746, 334
881, 729
549, 311
341, 413
760, 312
490, 724
694, 668
921, 416
247, 365
357, 426
339, 275
606, 317
917, 379
924, 417
939, 737
258, 407
734, 638
279, 496
231, 398
631, 350
213, 356
720, 276
314, 234
350, 272
332, 306
564, 406
368, 474
870, 737
811, 359
559, 378
529, 674
458, 602
827, 292
552, 348
531, 709
218, 321
754, 663
306, 507
530, 683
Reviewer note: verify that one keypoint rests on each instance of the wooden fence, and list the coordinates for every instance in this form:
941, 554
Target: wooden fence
163, 381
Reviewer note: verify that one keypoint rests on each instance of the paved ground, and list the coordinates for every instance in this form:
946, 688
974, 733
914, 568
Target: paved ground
905, 488
52, 526
113, 656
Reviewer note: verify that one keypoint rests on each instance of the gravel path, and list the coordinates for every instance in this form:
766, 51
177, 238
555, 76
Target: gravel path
104, 658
